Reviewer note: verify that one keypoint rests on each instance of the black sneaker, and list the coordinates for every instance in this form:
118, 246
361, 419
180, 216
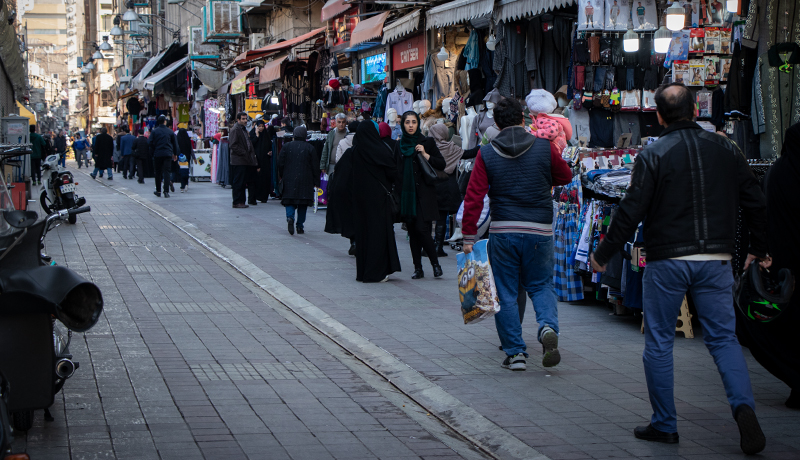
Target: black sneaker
300, 231
352, 250
157, 194
290, 222
166, 194
752, 439
172, 187
648, 433
515, 363
551, 356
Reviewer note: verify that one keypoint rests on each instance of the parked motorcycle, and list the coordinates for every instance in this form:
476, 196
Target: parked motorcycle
37, 301
60, 189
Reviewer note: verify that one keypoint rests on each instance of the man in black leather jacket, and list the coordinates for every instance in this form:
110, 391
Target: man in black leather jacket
687, 188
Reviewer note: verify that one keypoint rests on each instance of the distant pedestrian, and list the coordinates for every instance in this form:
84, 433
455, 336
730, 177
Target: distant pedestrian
141, 154
37, 150
164, 147
244, 164
185, 158
79, 147
296, 170
60, 148
261, 137
126, 148
327, 162
688, 188
102, 152
117, 157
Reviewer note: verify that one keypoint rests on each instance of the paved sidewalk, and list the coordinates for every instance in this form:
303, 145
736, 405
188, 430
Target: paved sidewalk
189, 362
584, 408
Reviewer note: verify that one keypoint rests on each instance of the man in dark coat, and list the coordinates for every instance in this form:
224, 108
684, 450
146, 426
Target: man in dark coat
261, 137
102, 151
296, 170
244, 164
60, 146
141, 153
164, 147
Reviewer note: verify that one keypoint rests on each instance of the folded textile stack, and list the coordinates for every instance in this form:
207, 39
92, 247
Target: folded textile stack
609, 182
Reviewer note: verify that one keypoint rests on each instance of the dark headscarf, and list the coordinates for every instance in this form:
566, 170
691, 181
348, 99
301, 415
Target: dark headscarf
384, 129
300, 133
184, 143
368, 141
408, 142
352, 127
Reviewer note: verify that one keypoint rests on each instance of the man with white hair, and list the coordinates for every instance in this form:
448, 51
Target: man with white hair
328, 160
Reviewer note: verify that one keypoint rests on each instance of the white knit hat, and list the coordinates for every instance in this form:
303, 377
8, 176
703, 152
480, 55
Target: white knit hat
540, 101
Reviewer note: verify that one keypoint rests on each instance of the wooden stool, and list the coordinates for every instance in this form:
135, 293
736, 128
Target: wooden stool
684, 323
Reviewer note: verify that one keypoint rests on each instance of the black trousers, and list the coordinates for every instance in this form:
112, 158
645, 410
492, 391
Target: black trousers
419, 236
163, 167
36, 169
140, 168
243, 177
128, 165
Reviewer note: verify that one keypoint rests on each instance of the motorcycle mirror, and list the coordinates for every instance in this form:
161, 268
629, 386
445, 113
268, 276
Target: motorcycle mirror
20, 219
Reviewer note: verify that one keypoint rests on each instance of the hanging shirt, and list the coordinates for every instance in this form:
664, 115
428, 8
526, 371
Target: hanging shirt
776, 97
402, 101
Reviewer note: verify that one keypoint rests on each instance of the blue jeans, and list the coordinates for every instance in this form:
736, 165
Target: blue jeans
62, 160
301, 214
96, 169
710, 283
527, 260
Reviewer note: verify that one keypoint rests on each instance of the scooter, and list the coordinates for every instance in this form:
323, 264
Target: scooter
60, 189
35, 296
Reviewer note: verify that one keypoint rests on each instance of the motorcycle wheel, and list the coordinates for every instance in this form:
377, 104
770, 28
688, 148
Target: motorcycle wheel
22, 420
45, 202
72, 218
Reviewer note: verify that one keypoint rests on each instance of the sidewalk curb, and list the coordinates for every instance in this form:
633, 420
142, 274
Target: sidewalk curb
469, 423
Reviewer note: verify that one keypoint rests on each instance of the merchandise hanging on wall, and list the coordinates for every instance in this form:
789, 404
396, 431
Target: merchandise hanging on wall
591, 14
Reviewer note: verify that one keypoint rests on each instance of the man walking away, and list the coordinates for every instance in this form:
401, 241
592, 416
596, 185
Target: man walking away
243, 162
165, 149
60, 147
79, 147
126, 146
518, 170
102, 152
37, 150
327, 162
296, 170
687, 188
140, 152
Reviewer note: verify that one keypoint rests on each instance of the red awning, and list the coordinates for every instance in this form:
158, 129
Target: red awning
368, 29
271, 71
333, 8
260, 53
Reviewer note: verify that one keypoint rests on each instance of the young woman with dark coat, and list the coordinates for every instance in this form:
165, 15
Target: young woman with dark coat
418, 202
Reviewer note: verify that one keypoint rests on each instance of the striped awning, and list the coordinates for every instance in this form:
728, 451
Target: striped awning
512, 10
333, 8
368, 29
401, 27
271, 71
458, 11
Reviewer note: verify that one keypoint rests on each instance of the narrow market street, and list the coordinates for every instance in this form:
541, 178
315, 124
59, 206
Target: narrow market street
225, 337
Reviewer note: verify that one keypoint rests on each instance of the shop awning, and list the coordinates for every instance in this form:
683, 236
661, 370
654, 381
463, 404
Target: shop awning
254, 55
403, 26
458, 11
333, 8
168, 71
512, 10
368, 28
24, 112
271, 71
239, 83
136, 82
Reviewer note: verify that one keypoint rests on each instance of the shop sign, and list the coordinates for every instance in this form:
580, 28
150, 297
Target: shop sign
343, 26
238, 85
252, 107
409, 53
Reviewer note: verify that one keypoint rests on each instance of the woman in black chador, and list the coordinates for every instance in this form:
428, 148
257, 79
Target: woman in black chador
374, 170
261, 137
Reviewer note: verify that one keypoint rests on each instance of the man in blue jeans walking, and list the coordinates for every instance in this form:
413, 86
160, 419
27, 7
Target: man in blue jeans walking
296, 169
518, 170
687, 188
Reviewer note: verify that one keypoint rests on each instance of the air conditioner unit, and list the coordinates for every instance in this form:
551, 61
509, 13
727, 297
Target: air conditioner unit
257, 41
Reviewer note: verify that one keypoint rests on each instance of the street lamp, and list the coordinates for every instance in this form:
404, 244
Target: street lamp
130, 15
676, 16
116, 31
89, 65
105, 46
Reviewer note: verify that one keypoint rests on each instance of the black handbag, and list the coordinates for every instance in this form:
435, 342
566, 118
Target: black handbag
430, 175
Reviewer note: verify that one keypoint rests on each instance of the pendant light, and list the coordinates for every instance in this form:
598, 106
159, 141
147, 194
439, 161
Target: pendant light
89, 65
630, 41
116, 31
662, 38
676, 16
443, 55
97, 54
130, 15
85, 70
491, 42
105, 46
732, 6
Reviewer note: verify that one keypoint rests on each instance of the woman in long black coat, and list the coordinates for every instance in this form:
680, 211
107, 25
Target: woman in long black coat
339, 217
418, 203
296, 170
261, 137
374, 170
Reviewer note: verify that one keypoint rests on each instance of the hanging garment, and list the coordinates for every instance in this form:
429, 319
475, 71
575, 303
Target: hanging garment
400, 100
471, 51
212, 117
776, 95
509, 62
548, 51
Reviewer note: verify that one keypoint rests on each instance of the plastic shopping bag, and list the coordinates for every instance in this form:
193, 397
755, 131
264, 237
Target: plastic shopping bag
476, 289
323, 189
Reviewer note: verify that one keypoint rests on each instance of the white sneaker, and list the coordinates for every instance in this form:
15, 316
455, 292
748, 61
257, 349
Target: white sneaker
457, 235
385, 279
515, 363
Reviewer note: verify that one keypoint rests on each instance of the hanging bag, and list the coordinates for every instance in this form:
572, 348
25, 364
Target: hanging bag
430, 174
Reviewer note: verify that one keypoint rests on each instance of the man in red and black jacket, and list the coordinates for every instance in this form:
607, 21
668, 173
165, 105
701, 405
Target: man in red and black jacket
518, 170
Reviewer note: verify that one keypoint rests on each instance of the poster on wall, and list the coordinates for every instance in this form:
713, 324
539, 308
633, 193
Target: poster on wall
712, 69
692, 9
715, 12
712, 40
617, 14
697, 72
725, 41
724, 68
679, 47
645, 15
591, 14
343, 26
680, 72
697, 40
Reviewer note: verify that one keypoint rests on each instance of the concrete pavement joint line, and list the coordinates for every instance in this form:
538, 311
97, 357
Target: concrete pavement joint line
465, 420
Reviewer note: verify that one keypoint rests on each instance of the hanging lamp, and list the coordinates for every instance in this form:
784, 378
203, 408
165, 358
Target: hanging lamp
105, 46
130, 15
630, 41
676, 16
732, 6
443, 55
662, 38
